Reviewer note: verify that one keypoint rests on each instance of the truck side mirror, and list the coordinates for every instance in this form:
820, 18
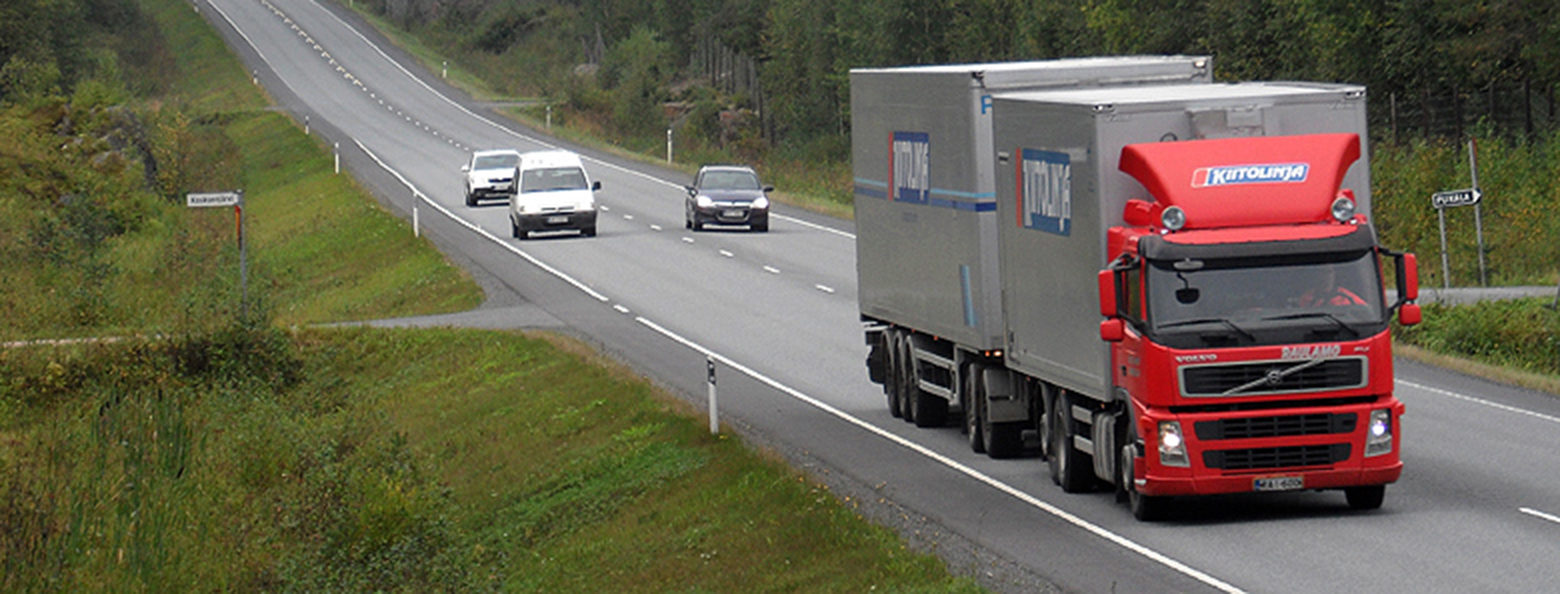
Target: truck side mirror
1113, 330
1107, 282
1409, 314
1410, 277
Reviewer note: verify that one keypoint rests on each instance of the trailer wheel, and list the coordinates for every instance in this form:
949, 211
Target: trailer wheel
890, 370
930, 410
906, 379
973, 417
1366, 498
1069, 468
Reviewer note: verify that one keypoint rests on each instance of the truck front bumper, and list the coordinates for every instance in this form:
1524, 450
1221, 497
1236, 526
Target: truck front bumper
1267, 459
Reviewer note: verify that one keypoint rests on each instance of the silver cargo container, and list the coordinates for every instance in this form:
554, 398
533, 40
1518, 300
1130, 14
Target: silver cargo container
922, 153
1065, 147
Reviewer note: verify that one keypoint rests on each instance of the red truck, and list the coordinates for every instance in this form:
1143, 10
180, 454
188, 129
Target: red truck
1223, 233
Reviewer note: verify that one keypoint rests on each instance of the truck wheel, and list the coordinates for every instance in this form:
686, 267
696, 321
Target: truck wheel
907, 385
890, 370
999, 440
1069, 468
929, 409
1145, 508
1365, 498
974, 419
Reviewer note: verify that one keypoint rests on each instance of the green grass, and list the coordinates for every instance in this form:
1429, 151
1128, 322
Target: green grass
405, 460
230, 456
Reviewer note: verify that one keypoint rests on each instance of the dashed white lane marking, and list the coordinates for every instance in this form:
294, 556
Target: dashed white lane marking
727, 254
655, 227
687, 239
620, 309
771, 270
824, 288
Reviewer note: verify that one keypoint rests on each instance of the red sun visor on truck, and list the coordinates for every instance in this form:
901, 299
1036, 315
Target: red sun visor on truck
1233, 182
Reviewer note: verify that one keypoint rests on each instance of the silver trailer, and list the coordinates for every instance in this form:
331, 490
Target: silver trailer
1075, 139
924, 177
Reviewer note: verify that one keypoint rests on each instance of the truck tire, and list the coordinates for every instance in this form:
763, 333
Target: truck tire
1070, 468
890, 370
1365, 498
974, 420
929, 409
906, 380
1145, 508
999, 440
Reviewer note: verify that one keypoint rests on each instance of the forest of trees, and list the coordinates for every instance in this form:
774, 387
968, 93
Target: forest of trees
1433, 66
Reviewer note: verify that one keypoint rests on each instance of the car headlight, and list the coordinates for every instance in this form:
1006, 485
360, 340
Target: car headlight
704, 201
1378, 434
761, 203
1172, 445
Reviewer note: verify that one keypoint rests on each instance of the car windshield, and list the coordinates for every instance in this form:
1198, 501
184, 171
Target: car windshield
1337, 293
557, 178
730, 180
496, 161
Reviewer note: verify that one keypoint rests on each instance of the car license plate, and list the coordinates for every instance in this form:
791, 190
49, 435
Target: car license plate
557, 220
1278, 483
733, 214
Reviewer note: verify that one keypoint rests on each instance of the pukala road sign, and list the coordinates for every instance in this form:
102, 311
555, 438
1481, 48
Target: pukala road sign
1456, 198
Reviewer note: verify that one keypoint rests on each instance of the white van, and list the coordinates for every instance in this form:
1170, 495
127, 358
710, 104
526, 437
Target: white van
552, 192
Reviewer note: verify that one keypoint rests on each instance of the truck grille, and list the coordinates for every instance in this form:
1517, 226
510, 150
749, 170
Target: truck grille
1286, 457
1272, 377
1278, 426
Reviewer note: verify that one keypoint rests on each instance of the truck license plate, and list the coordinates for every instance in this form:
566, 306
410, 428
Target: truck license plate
557, 220
1279, 483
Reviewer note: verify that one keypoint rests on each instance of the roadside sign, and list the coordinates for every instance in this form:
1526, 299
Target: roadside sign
1456, 198
207, 199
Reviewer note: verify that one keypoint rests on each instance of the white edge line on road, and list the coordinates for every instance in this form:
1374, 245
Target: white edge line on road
539, 141
950, 463
480, 231
1538, 514
1466, 398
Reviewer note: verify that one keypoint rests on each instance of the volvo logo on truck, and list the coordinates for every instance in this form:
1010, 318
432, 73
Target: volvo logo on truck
1204, 177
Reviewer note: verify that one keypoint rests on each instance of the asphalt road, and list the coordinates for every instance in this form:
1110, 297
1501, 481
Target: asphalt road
1478, 508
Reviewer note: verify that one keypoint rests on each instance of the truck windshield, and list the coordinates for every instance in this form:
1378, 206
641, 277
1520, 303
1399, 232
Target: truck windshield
1265, 300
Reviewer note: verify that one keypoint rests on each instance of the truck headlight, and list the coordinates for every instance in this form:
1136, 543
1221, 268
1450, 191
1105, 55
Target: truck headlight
1378, 433
1173, 218
1172, 446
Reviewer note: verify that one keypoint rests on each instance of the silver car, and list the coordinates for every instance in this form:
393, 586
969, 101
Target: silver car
490, 174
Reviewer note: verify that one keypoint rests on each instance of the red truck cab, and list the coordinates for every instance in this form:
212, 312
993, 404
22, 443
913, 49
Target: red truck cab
1249, 323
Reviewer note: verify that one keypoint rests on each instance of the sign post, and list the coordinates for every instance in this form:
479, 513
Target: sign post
1452, 199
709, 366
1478, 225
234, 199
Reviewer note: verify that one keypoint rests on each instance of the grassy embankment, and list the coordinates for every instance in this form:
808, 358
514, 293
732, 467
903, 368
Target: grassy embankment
230, 457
